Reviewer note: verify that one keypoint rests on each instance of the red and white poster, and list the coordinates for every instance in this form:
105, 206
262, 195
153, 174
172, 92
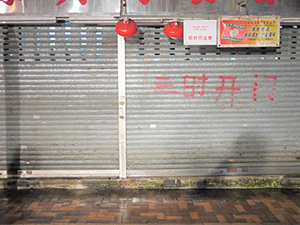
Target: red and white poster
200, 32
248, 32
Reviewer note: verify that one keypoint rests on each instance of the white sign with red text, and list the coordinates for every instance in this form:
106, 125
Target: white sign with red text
200, 32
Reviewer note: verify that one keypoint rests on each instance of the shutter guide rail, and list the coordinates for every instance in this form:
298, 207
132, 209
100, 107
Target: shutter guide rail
122, 106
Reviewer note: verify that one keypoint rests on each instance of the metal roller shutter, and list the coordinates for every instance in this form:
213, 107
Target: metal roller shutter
204, 111
59, 87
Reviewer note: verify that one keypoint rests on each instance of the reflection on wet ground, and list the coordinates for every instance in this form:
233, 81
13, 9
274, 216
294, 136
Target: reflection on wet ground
212, 206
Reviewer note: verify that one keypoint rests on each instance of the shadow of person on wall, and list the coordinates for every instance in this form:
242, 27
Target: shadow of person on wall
13, 106
250, 153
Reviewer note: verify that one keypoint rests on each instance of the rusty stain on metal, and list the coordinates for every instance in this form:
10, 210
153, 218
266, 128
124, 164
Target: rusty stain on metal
122, 103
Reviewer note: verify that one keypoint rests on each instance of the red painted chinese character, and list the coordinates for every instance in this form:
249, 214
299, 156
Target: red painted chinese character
8, 2
196, 2
274, 84
159, 85
270, 2
223, 88
193, 85
255, 89
82, 2
144, 2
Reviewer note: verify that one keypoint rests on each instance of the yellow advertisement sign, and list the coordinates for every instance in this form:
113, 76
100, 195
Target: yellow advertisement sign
259, 32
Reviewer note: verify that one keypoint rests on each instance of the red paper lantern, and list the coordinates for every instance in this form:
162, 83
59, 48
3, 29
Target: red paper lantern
173, 29
144, 2
270, 2
126, 28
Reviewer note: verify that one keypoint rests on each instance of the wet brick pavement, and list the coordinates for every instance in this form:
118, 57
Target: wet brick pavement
203, 206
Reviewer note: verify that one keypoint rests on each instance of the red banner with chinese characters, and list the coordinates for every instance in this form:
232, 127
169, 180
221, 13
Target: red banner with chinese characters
262, 32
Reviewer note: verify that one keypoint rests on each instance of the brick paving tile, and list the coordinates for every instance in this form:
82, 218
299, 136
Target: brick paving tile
221, 218
183, 213
206, 205
174, 201
102, 212
148, 214
109, 205
60, 221
248, 218
187, 220
240, 208
182, 205
168, 213
194, 215
135, 212
160, 216
135, 219
83, 219
132, 207
115, 214
106, 218
151, 205
93, 216
251, 202
175, 209
173, 217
